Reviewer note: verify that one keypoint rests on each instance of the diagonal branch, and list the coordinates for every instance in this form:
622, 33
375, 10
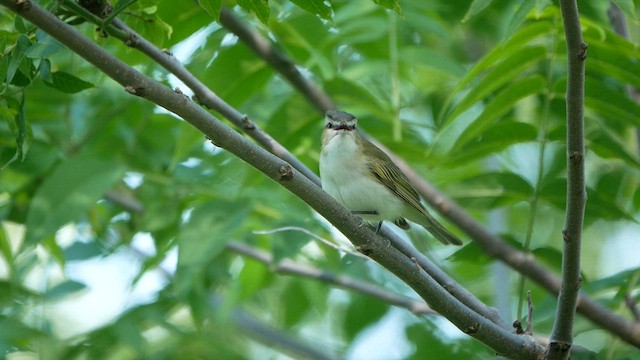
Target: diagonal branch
491, 244
282, 173
562, 335
211, 100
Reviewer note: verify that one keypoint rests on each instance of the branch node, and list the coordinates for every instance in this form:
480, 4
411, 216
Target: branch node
132, 39
285, 173
472, 329
23, 5
247, 124
365, 250
138, 91
518, 326
167, 52
576, 157
582, 55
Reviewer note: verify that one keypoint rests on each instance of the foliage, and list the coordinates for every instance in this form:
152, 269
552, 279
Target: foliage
473, 99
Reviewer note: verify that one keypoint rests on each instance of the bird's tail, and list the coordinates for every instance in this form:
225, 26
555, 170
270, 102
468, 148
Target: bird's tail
437, 230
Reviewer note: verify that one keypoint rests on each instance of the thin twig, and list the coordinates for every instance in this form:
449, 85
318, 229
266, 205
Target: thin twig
289, 267
319, 238
562, 334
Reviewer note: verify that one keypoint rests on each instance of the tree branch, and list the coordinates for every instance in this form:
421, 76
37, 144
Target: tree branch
284, 174
289, 267
492, 245
258, 43
562, 334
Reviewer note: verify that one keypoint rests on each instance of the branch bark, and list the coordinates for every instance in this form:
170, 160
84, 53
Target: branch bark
491, 244
212, 101
562, 334
284, 174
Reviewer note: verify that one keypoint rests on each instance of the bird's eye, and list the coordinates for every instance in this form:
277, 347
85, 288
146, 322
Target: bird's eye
329, 126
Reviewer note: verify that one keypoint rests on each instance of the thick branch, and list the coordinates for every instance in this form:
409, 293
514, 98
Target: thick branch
562, 337
281, 172
490, 244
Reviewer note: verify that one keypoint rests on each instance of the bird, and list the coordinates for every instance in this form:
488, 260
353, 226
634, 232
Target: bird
364, 180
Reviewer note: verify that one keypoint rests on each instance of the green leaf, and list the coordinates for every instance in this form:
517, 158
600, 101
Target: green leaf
68, 193
495, 189
512, 45
21, 134
494, 139
507, 70
603, 143
500, 105
260, 8
421, 56
475, 7
211, 7
362, 312
203, 237
297, 302
610, 103
18, 54
390, 4
64, 289
520, 14
627, 7
67, 83
317, 7
44, 47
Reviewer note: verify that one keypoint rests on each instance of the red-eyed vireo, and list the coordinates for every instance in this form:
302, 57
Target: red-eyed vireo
365, 180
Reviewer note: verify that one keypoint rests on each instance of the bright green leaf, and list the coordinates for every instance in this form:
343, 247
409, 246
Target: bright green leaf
506, 71
500, 105
494, 139
68, 193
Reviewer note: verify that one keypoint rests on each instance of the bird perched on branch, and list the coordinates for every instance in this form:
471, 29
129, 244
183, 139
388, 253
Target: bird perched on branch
365, 180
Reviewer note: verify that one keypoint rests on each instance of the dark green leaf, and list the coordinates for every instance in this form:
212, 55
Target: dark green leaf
317, 7
67, 83
68, 193
362, 312
18, 55
64, 289
260, 8
390, 4
211, 7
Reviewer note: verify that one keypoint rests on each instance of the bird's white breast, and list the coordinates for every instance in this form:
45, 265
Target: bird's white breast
345, 176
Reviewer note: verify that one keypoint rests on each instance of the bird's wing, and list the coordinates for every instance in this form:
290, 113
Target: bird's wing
388, 173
